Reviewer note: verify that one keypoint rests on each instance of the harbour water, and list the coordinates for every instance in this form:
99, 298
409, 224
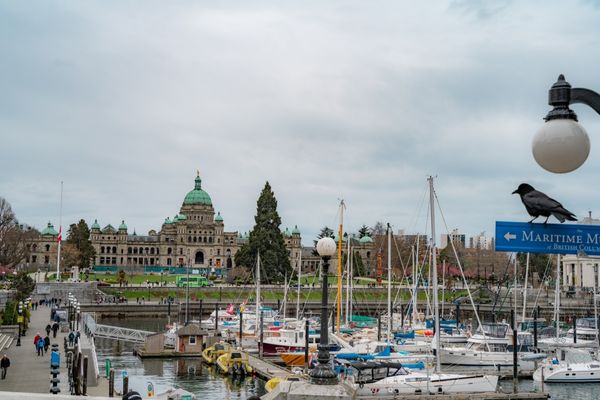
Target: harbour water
186, 373
192, 375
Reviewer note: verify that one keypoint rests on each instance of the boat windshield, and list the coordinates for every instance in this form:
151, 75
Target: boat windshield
365, 372
494, 330
586, 323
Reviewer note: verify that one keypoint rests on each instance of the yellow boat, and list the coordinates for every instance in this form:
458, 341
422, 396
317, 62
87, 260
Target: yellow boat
272, 384
211, 353
234, 362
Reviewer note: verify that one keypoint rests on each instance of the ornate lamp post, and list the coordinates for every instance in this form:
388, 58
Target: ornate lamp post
323, 373
562, 145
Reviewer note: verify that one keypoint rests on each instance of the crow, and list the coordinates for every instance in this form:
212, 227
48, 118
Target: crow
539, 204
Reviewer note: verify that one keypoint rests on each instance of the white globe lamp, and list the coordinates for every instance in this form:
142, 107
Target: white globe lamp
326, 247
561, 146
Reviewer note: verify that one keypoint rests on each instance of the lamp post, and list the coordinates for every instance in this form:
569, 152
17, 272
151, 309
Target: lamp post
20, 319
562, 145
323, 373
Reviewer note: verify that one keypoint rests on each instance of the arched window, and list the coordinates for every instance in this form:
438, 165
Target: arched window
189, 239
114, 250
129, 250
204, 239
210, 239
199, 259
229, 263
169, 250
47, 247
151, 250
135, 250
101, 250
141, 251
35, 247
195, 239
147, 250
169, 261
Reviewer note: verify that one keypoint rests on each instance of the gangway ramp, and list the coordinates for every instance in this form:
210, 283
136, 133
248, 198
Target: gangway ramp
114, 332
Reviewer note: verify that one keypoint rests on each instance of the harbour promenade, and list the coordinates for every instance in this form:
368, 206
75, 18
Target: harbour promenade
29, 372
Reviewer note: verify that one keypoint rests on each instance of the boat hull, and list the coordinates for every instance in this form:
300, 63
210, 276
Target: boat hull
419, 385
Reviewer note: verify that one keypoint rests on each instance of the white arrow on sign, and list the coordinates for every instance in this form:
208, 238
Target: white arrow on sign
509, 236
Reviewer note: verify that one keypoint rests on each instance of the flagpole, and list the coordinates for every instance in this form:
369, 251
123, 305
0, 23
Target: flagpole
59, 238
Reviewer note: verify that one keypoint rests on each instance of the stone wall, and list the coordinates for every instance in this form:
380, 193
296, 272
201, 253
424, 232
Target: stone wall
84, 292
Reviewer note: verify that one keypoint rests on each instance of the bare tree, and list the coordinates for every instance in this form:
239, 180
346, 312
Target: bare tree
14, 238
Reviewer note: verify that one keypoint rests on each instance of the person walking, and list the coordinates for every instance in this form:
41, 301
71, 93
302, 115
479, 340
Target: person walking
40, 347
4, 364
36, 339
46, 343
48, 329
71, 338
55, 327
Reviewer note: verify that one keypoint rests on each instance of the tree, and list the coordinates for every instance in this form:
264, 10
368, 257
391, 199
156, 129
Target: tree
266, 238
70, 255
325, 232
364, 231
14, 238
378, 229
537, 262
358, 267
79, 237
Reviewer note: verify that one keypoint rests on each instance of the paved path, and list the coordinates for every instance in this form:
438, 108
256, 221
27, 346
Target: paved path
29, 372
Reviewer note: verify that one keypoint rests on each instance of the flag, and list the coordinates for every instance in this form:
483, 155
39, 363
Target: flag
59, 238
230, 309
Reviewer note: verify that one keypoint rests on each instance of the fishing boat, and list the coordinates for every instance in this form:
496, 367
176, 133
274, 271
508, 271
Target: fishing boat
574, 366
234, 362
212, 353
391, 378
289, 341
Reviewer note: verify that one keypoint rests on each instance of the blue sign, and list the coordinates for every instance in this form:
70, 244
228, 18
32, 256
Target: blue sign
548, 238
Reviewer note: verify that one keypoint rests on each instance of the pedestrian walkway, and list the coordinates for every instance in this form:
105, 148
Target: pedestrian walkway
29, 372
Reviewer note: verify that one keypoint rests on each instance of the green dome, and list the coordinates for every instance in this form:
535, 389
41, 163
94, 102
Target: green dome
197, 196
286, 233
218, 217
180, 217
168, 221
49, 230
296, 231
95, 225
122, 227
365, 239
109, 229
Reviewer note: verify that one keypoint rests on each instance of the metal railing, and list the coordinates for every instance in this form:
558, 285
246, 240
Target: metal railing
113, 332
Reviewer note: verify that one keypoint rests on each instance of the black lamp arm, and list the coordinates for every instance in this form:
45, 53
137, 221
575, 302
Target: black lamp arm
587, 97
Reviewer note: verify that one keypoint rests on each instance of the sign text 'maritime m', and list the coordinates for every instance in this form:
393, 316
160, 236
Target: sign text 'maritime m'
548, 238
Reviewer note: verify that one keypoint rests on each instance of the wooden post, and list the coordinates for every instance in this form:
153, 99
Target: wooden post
78, 375
111, 383
85, 372
378, 328
125, 384
200, 312
574, 329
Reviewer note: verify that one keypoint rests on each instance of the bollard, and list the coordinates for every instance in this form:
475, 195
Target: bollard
241, 329
125, 383
85, 373
54, 381
111, 383
107, 368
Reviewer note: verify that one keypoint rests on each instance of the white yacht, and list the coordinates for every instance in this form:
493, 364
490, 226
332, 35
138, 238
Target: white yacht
491, 346
574, 366
391, 378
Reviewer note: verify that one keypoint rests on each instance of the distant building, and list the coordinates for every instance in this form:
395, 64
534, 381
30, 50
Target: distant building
482, 241
580, 271
589, 220
455, 236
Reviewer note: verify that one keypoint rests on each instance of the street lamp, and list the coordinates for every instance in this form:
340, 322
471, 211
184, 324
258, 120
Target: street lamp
562, 145
20, 319
323, 373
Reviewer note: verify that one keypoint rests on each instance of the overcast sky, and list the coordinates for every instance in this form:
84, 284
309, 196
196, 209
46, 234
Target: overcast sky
360, 100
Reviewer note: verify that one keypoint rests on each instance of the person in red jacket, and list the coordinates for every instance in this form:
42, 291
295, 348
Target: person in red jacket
36, 339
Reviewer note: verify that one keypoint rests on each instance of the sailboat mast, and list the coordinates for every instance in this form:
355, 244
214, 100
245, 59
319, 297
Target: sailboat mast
299, 280
415, 280
348, 258
525, 287
59, 234
339, 277
389, 294
436, 321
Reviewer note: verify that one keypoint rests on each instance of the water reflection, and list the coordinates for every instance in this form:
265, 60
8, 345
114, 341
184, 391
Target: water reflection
187, 373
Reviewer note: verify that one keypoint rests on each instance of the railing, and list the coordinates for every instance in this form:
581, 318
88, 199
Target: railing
113, 332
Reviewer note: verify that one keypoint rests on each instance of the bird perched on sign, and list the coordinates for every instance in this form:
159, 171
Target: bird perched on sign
539, 204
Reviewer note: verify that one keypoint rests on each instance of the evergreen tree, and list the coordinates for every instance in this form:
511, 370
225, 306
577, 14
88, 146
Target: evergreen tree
325, 232
266, 238
79, 236
364, 231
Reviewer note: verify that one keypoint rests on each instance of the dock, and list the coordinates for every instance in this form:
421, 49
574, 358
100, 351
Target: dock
472, 396
268, 370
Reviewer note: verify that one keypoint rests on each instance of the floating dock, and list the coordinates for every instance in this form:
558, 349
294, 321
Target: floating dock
268, 370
